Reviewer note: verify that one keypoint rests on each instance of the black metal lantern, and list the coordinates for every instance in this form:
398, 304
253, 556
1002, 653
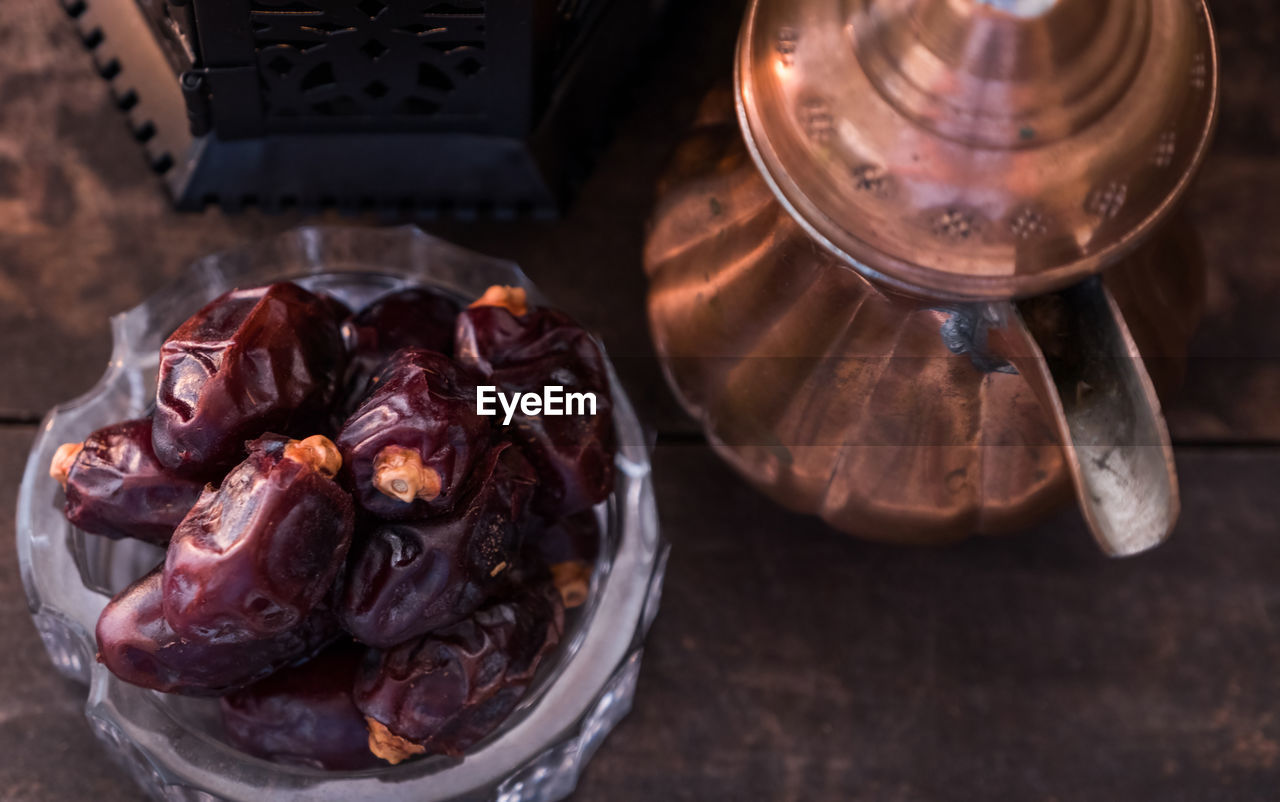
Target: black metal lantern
462, 107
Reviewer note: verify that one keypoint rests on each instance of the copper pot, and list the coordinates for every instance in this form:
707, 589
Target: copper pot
880, 294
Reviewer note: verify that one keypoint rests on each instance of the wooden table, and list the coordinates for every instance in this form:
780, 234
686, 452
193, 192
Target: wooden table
789, 662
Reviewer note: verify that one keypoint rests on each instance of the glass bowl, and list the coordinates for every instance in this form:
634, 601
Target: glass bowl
172, 745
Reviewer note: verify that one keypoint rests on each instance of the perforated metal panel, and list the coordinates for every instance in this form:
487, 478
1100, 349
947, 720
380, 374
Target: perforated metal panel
374, 62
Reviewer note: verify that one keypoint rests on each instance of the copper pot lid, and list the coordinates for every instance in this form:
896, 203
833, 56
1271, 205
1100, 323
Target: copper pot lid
978, 149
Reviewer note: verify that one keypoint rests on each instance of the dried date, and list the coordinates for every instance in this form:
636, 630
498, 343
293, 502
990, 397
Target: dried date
408, 578
136, 643
568, 548
521, 350
304, 715
257, 554
445, 691
410, 445
413, 318
115, 486
263, 359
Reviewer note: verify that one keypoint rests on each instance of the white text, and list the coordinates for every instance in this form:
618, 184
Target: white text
552, 401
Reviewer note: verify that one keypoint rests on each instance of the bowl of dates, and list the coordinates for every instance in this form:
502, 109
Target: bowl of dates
321, 531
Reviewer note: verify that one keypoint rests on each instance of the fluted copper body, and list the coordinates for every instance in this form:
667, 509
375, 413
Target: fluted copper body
893, 417
889, 314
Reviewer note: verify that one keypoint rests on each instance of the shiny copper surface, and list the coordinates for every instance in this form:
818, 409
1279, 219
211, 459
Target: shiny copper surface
896, 417
978, 150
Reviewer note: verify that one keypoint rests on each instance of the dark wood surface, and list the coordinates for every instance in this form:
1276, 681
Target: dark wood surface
789, 662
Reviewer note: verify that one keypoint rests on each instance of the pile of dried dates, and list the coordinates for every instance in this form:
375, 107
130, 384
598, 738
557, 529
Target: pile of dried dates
360, 564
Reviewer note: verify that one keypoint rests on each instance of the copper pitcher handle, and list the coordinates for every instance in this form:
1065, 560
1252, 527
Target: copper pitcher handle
1075, 350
